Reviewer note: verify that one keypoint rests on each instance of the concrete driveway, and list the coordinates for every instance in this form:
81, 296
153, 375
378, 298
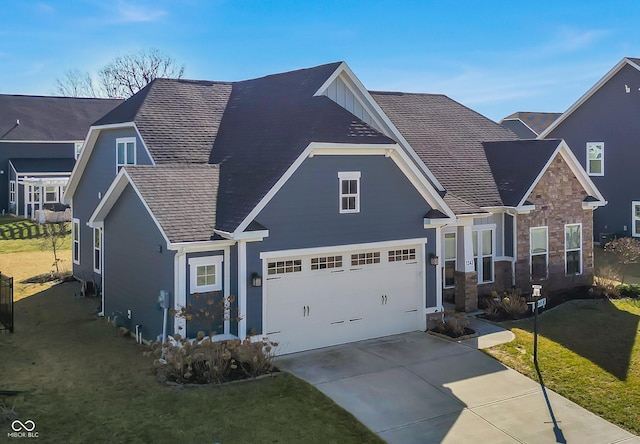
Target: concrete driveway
418, 388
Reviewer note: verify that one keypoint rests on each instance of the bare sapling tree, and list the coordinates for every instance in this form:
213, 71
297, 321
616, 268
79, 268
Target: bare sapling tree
122, 77
626, 251
54, 237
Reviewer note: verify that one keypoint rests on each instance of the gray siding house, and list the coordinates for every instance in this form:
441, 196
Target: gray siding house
40, 138
602, 130
304, 208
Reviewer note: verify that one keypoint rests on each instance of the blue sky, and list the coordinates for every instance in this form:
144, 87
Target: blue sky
495, 57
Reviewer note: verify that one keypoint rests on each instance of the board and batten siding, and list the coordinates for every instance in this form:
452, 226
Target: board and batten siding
611, 115
340, 93
133, 280
305, 214
96, 179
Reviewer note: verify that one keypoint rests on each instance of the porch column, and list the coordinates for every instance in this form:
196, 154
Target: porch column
465, 277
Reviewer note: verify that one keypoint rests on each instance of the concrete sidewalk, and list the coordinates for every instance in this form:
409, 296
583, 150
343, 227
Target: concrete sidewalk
418, 388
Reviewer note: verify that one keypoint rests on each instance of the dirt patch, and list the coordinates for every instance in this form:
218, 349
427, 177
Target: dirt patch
26, 265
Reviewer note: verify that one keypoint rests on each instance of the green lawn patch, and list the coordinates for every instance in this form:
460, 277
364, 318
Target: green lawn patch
589, 352
85, 382
22, 235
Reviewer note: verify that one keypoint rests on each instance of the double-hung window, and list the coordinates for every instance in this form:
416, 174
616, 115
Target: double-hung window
125, 152
97, 250
205, 274
449, 259
349, 191
77, 149
483, 254
573, 249
75, 240
595, 158
539, 252
12, 191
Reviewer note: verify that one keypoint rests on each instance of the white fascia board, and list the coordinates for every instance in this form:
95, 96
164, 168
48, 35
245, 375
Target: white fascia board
340, 248
40, 141
248, 236
87, 149
593, 205
322, 148
200, 246
525, 209
374, 110
587, 96
111, 197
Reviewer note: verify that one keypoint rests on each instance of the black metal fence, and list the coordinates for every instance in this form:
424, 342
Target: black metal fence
6, 303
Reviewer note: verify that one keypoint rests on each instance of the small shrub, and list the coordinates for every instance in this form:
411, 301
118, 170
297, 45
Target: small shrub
605, 282
452, 324
7, 414
510, 304
628, 291
204, 360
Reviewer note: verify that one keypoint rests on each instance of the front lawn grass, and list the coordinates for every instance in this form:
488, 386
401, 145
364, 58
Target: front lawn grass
85, 382
589, 352
23, 254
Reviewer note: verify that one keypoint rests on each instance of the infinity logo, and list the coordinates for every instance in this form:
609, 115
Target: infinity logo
18, 425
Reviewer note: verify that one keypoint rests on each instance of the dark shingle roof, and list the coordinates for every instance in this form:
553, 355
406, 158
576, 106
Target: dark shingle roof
537, 122
268, 123
448, 138
516, 164
519, 128
50, 118
181, 197
178, 119
45, 165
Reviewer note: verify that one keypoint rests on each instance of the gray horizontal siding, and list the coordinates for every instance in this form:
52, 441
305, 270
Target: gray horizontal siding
135, 268
96, 179
305, 214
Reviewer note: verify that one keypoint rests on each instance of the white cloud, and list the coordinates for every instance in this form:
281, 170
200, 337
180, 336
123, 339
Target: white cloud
44, 8
129, 12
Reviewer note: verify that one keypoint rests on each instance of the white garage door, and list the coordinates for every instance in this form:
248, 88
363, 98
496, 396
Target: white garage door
314, 301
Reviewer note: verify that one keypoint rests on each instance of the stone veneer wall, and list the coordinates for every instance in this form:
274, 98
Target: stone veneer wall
466, 296
558, 199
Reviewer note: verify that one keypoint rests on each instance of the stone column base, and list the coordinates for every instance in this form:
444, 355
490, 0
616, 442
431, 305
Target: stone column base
466, 285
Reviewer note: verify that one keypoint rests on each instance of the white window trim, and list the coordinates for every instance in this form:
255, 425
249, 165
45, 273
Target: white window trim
479, 229
77, 149
634, 204
97, 269
445, 260
75, 222
349, 175
196, 262
126, 140
56, 192
12, 191
539, 254
588, 163
566, 250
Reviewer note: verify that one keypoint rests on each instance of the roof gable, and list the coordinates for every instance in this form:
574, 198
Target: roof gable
627, 61
43, 165
43, 118
535, 122
163, 190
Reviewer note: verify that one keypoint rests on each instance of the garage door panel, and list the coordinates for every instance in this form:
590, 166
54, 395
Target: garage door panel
314, 308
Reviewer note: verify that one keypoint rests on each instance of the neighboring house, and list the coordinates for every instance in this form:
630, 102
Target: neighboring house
528, 125
602, 130
40, 138
330, 213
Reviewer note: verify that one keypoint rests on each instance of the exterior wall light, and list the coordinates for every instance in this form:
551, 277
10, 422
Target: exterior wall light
256, 280
433, 259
